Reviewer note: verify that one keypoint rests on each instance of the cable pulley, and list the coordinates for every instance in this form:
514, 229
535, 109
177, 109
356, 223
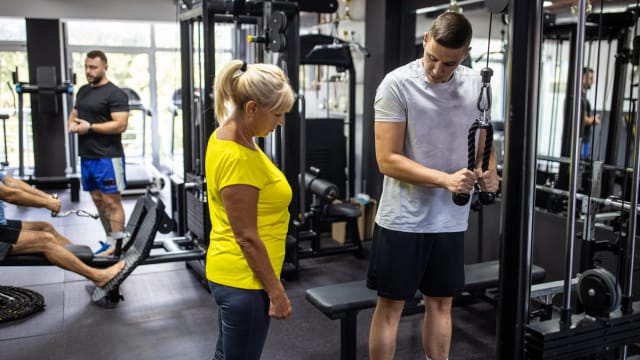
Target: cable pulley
482, 122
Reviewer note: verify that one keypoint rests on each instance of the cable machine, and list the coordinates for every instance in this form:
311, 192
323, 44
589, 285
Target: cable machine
198, 22
602, 326
54, 150
609, 26
328, 148
47, 91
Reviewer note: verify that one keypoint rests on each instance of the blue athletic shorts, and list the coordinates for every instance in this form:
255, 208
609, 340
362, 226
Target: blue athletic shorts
585, 150
402, 263
106, 174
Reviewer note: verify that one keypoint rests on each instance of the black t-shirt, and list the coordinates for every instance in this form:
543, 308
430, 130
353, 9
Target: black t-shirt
585, 132
95, 104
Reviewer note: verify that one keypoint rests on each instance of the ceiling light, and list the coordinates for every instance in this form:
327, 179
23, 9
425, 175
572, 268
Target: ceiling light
454, 7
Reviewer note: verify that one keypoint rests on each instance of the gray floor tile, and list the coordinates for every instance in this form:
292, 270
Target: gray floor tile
25, 276
46, 322
43, 347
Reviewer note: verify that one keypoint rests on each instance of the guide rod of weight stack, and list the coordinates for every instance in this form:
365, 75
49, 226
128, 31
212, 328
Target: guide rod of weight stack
629, 246
565, 312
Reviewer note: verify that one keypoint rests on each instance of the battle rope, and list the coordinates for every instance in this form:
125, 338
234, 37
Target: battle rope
17, 303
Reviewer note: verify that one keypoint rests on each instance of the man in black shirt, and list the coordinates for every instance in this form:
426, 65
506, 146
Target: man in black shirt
589, 120
99, 117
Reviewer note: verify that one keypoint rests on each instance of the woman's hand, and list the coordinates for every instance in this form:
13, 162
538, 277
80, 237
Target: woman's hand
280, 307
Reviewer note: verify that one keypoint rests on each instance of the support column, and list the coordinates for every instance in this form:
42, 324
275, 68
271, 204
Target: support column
519, 176
44, 55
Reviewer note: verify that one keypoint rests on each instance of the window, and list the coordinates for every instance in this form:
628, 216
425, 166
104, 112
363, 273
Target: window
12, 29
167, 35
9, 61
109, 33
169, 111
13, 56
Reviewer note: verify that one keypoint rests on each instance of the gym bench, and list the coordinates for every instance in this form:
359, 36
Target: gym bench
344, 301
147, 218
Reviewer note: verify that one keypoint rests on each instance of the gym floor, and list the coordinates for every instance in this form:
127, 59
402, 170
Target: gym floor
168, 314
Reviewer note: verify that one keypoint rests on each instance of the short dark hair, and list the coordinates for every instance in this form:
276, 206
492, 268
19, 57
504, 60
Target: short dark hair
451, 30
97, 54
586, 70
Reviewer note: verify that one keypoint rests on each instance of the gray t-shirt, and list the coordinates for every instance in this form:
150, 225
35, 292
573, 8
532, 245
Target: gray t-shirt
437, 117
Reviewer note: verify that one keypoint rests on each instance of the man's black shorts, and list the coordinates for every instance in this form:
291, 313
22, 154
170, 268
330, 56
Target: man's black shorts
8, 236
402, 263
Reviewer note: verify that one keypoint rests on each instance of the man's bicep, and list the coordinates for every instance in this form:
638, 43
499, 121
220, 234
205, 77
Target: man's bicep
122, 118
389, 138
390, 135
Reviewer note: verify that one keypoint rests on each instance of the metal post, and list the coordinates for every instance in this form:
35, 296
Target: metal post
351, 159
519, 175
303, 159
629, 248
565, 313
186, 59
20, 134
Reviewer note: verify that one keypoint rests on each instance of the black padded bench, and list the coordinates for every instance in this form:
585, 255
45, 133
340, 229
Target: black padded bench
344, 301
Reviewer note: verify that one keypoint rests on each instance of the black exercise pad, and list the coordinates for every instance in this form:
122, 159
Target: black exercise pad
17, 303
133, 224
82, 252
140, 249
334, 300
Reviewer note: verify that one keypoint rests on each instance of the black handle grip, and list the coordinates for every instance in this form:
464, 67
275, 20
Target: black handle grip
54, 213
461, 199
487, 198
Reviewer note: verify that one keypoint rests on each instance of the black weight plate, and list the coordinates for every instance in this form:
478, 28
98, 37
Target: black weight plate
597, 293
613, 284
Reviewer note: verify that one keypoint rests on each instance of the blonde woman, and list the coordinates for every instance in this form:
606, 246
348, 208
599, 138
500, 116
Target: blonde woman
248, 204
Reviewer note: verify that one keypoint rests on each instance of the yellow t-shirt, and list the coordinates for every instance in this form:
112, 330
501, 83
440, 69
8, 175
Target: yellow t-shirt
228, 163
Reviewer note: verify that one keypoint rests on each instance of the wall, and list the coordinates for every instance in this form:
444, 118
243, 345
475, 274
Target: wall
142, 10
355, 27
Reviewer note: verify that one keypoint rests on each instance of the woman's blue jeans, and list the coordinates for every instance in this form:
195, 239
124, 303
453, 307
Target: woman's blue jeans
243, 322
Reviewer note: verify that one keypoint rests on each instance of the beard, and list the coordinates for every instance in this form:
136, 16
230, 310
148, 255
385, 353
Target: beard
95, 80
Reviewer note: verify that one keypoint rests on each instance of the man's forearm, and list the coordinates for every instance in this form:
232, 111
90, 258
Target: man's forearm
18, 196
19, 184
71, 120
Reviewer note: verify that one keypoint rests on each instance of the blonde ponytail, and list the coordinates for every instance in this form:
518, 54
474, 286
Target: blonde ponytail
238, 82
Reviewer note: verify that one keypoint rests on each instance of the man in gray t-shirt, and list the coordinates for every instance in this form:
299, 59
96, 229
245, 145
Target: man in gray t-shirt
423, 113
